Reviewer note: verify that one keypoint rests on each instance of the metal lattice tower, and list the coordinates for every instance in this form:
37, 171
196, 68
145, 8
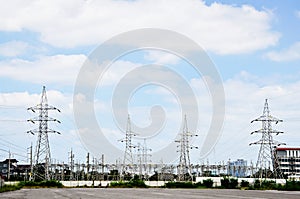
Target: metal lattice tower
143, 157
42, 157
184, 166
146, 156
128, 156
266, 157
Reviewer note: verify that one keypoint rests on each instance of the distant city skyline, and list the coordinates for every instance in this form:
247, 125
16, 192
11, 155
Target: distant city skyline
254, 45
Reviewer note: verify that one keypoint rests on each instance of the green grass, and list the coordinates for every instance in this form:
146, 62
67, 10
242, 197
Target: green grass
6, 188
31, 184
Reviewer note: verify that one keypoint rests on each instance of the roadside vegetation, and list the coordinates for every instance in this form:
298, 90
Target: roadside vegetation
133, 183
6, 188
31, 184
226, 183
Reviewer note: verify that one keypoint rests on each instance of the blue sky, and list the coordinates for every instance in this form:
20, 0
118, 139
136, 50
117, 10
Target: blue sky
255, 46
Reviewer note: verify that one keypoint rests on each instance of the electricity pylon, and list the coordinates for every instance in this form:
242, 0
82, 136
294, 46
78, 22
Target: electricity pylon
128, 156
266, 157
184, 166
42, 157
143, 157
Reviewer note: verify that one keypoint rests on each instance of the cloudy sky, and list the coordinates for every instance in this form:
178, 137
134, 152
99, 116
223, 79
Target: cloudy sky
254, 45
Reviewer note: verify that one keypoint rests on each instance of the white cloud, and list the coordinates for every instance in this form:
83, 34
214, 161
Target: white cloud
220, 28
13, 48
244, 102
59, 69
160, 57
298, 14
289, 54
117, 71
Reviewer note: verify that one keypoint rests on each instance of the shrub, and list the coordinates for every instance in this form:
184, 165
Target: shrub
130, 184
48, 183
256, 184
208, 183
292, 185
225, 183
244, 183
180, 185
229, 183
233, 183
266, 185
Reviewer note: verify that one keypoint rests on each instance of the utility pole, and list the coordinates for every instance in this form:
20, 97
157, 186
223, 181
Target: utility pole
8, 175
267, 144
31, 162
63, 171
93, 170
140, 157
71, 165
42, 152
184, 166
146, 156
87, 165
102, 163
143, 158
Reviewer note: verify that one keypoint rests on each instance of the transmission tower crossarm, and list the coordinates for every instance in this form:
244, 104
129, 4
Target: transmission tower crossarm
277, 132
277, 143
38, 119
39, 107
267, 118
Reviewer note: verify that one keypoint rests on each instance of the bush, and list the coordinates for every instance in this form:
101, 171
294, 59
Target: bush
233, 183
180, 185
292, 185
225, 183
256, 184
208, 183
136, 183
229, 183
51, 183
120, 184
48, 183
244, 183
266, 185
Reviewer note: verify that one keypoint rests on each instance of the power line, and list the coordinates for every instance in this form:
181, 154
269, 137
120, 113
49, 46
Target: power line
11, 107
14, 145
10, 120
17, 154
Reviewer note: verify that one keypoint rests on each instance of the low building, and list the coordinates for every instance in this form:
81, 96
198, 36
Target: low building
288, 160
8, 168
237, 168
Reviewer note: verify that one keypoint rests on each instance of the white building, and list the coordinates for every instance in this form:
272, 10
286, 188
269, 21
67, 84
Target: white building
289, 160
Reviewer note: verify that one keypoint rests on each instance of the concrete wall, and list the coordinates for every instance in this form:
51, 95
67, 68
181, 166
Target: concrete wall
11, 182
216, 180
